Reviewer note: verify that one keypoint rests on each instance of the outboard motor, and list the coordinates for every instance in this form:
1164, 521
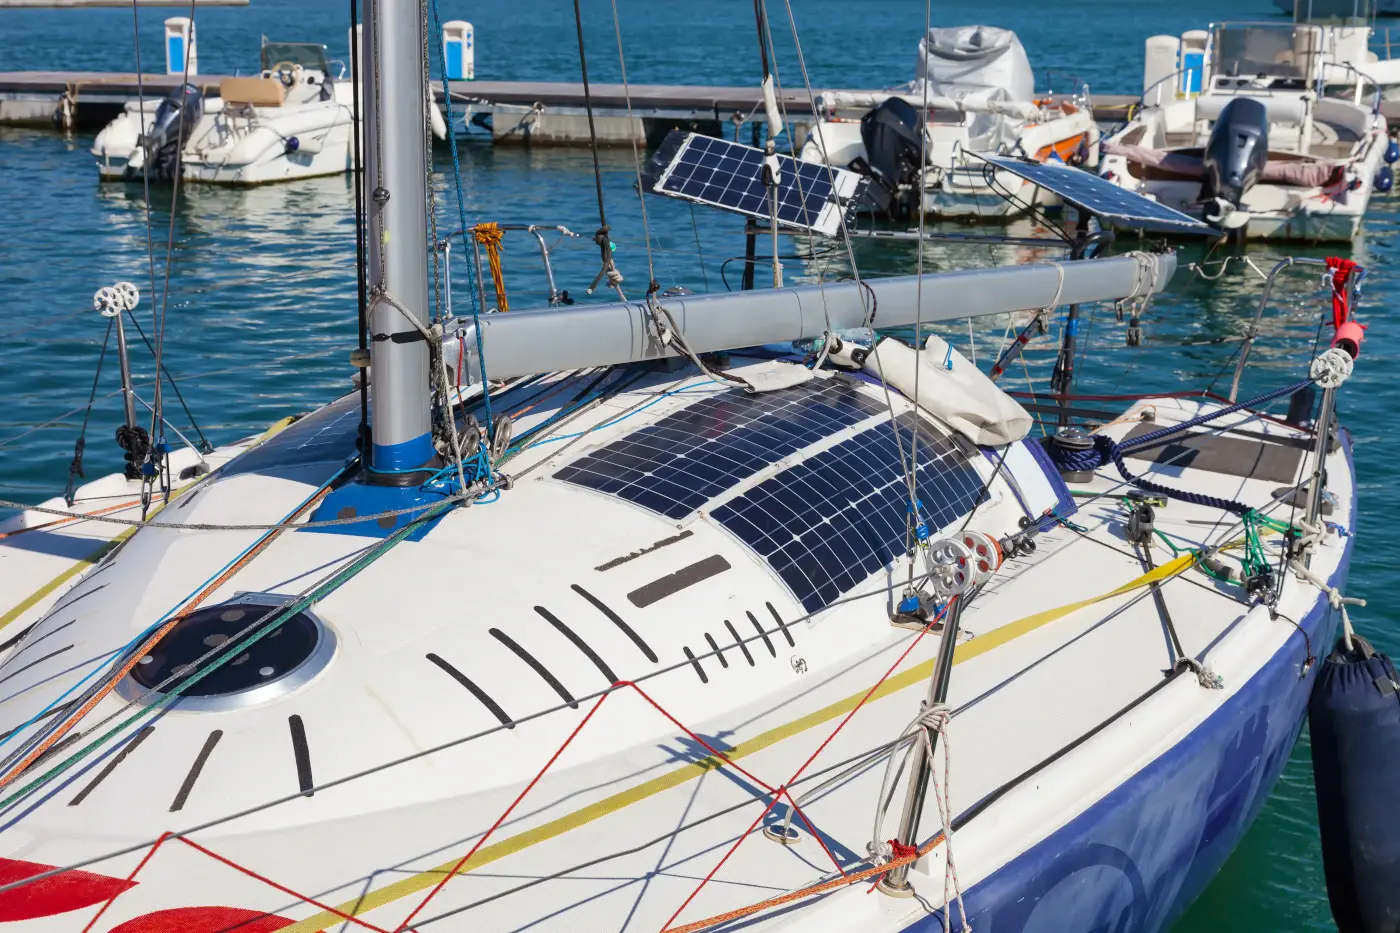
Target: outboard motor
893, 157
176, 118
1235, 155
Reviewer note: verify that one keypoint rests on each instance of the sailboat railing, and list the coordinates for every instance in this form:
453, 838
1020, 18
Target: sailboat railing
444, 246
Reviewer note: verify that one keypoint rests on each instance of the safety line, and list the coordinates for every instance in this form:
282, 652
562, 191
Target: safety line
917, 674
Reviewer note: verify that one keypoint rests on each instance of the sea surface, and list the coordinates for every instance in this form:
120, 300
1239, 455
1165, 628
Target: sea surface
260, 284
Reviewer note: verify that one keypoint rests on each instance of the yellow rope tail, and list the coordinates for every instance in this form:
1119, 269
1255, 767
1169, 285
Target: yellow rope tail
489, 235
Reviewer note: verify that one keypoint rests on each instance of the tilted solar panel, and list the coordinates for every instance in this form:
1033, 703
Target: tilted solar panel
729, 175
831, 521
687, 458
1102, 198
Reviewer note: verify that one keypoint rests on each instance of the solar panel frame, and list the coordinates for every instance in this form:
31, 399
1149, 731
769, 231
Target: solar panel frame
680, 462
828, 523
729, 175
1102, 198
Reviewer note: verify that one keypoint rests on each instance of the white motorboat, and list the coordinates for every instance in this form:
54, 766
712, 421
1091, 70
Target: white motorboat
597, 620
1258, 151
979, 90
293, 120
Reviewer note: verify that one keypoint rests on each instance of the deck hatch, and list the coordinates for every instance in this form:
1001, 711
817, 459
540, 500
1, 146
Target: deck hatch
834, 519
679, 463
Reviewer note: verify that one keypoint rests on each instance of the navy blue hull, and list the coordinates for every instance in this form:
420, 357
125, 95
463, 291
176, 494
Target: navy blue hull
1138, 858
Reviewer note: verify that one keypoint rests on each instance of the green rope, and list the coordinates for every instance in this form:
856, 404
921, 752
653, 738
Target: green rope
313, 595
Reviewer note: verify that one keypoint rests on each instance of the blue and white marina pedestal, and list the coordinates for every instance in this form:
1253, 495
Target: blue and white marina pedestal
459, 50
179, 43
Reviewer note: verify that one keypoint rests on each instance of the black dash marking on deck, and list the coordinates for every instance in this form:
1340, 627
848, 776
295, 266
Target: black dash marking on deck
716, 649
619, 561
539, 668
117, 759
14, 639
695, 663
36, 641
59, 609
673, 583
742, 647
579, 643
22, 669
60, 708
481, 695
56, 748
303, 755
617, 620
203, 757
782, 625
766, 640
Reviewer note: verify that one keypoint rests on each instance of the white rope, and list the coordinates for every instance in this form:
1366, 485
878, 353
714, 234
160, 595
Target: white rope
935, 720
1335, 598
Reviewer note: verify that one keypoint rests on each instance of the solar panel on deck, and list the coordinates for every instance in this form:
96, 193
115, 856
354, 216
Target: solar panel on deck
829, 522
1102, 198
729, 175
687, 458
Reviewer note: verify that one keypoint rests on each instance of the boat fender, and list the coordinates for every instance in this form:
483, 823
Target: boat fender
1385, 178
293, 144
1354, 717
1349, 337
1392, 151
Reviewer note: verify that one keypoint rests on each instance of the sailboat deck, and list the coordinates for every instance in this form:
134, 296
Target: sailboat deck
476, 688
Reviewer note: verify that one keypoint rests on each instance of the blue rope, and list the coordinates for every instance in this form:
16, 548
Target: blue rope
462, 217
1107, 450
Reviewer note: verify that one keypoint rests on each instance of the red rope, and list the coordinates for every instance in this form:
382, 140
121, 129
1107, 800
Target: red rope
777, 793
502, 818
1341, 295
805, 765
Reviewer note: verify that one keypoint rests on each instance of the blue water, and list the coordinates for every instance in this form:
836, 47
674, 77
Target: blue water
261, 282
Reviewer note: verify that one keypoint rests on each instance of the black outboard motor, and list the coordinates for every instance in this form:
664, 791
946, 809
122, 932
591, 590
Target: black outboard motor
175, 119
1235, 154
892, 157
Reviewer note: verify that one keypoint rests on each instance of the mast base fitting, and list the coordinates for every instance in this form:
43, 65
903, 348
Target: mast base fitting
903, 890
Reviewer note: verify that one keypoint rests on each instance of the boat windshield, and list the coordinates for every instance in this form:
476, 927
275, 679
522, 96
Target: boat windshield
1265, 50
1334, 12
308, 55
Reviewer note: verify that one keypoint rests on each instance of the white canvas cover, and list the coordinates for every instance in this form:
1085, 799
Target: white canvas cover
961, 397
984, 62
977, 64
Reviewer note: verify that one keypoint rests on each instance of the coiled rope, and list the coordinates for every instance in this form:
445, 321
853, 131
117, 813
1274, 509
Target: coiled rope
1107, 450
489, 235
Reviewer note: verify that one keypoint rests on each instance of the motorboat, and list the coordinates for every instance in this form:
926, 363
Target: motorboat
1258, 152
605, 617
974, 93
294, 119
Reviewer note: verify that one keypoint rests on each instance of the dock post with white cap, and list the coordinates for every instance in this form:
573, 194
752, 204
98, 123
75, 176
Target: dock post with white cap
180, 45
459, 50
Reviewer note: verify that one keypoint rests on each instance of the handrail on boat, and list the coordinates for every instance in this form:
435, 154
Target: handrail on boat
1357, 277
444, 245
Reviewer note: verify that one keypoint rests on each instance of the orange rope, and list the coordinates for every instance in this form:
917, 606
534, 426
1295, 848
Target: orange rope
815, 889
125, 668
489, 235
72, 518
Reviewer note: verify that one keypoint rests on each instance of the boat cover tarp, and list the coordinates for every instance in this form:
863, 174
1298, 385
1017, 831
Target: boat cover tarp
951, 389
977, 64
1301, 173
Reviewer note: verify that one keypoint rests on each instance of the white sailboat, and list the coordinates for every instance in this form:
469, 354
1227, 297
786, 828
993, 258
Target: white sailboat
597, 629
